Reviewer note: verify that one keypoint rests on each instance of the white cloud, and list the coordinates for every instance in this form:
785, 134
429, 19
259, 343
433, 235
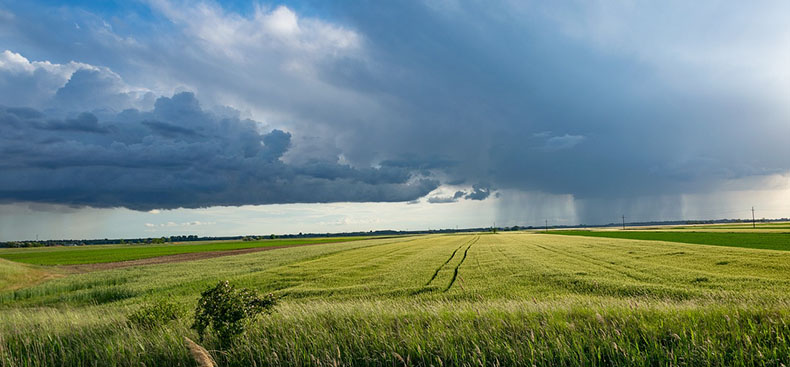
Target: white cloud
74, 86
281, 21
566, 141
719, 45
27, 83
274, 64
13, 62
278, 30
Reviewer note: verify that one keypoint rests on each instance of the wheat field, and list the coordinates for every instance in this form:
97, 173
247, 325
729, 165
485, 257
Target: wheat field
467, 299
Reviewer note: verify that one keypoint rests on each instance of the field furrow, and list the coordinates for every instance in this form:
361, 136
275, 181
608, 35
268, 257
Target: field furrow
455, 270
435, 273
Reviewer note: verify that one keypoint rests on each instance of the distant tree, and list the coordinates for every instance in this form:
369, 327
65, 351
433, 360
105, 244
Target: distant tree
273, 236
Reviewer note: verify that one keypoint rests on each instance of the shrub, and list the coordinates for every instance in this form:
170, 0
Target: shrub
228, 311
156, 314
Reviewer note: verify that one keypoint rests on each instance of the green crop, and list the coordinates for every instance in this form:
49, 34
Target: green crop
767, 241
518, 299
111, 253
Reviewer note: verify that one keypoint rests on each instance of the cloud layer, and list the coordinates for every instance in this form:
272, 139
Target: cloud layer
603, 103
176, 155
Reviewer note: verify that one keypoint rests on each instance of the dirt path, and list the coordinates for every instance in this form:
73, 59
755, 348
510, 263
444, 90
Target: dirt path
84, 268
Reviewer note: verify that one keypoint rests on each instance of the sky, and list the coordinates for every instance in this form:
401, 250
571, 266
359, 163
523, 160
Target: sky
148, 118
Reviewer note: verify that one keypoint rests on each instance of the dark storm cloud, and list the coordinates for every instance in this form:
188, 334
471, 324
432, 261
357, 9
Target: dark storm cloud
442, 199
601, 101
275, 144
479, 192
168, 130
176, 155
528, 99
84, 122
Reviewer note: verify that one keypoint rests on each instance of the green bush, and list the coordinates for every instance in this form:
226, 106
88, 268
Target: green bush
228, 311
156, 314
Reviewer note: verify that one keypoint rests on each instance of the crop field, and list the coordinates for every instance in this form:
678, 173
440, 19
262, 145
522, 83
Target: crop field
768, 241
757, 226
770, 227
14, 275
63, 255
505, 299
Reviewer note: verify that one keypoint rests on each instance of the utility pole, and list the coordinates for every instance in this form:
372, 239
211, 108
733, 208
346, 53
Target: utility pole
753, 224
547, 225
623, 221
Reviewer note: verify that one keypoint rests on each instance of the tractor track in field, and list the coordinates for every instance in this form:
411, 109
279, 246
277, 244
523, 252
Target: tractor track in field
445, 263
455, 272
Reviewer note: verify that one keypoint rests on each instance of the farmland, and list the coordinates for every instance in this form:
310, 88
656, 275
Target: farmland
473, 299
15, 275
768, 241
111, 253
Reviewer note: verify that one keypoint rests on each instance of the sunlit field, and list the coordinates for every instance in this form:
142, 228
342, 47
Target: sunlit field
64, 255
473, 299
751, 239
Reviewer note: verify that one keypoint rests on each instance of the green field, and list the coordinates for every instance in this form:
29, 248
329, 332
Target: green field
757, 226
475, 299
14, 275
766, 241
111, 253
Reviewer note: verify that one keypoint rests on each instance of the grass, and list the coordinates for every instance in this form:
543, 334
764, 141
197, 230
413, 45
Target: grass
14, 275
757, 226
766, 241
111, 253
760, 227
494, 299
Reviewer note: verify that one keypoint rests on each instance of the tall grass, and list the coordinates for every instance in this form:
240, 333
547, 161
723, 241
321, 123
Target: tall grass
433, 333
14, 275
516, 299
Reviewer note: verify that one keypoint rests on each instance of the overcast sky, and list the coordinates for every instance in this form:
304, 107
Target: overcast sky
150, 118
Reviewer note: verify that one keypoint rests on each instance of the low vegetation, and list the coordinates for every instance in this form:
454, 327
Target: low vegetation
14, 275
156, 314
111, 253
228, 311
518, 299
766, 241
